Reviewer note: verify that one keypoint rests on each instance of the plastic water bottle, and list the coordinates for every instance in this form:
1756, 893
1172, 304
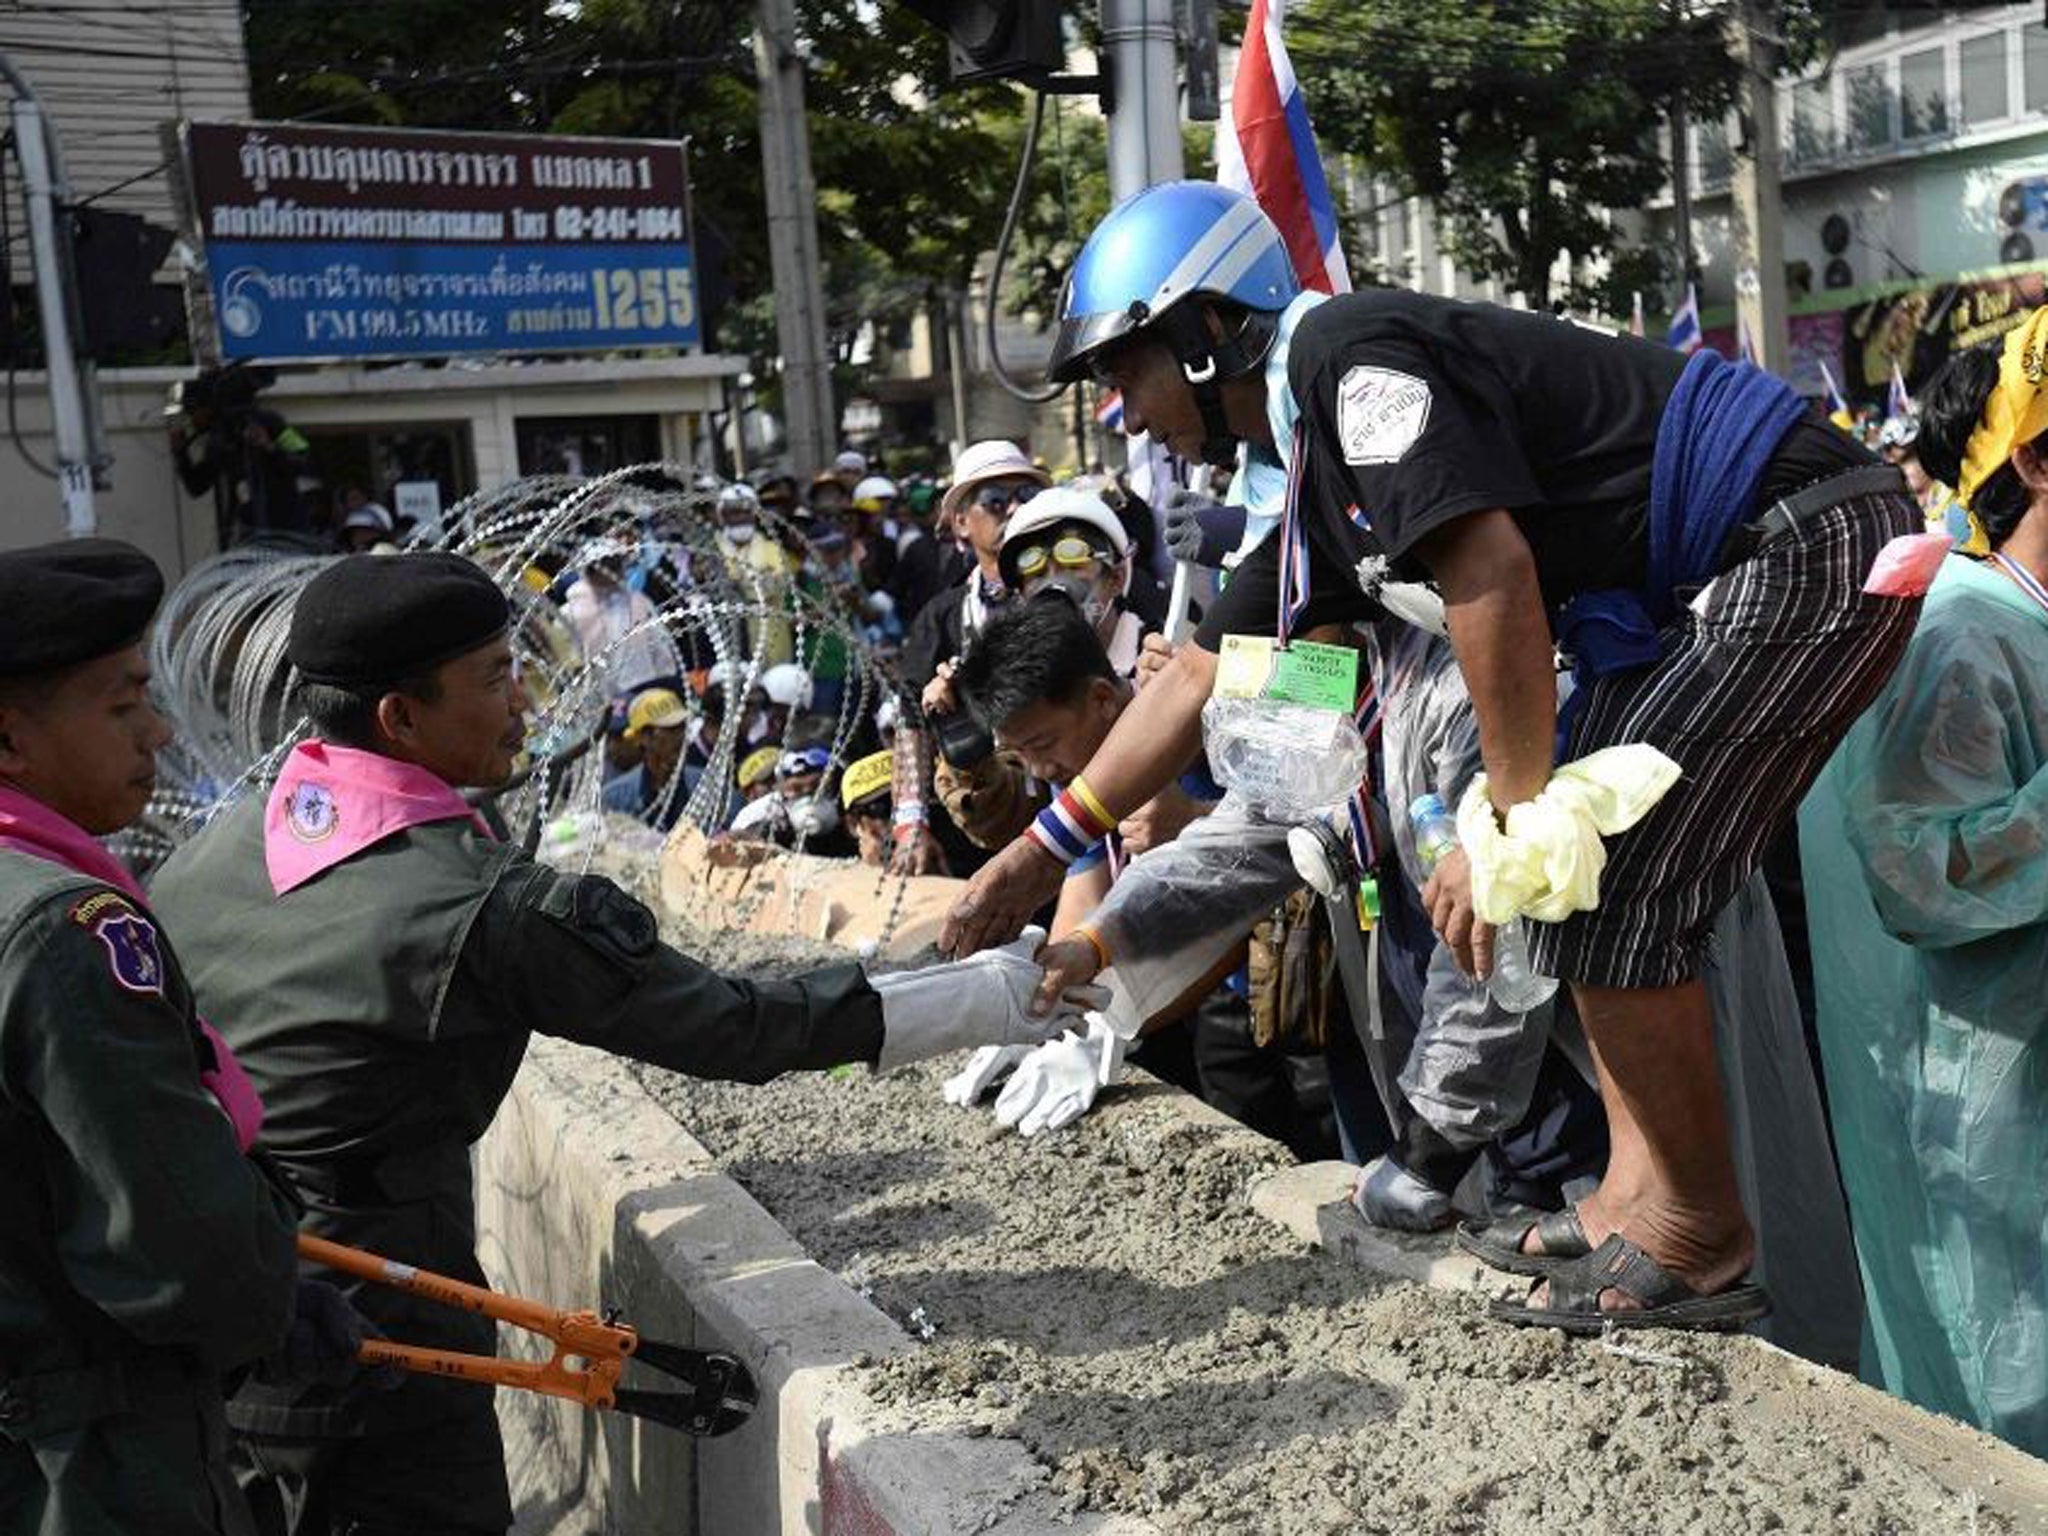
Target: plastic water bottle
1514, 985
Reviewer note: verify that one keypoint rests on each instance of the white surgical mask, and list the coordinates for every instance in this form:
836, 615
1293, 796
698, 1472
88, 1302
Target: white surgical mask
740, 533
814, 815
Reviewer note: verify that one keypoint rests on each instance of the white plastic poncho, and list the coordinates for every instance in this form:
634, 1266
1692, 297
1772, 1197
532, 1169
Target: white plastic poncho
1926, 852
1468, 1066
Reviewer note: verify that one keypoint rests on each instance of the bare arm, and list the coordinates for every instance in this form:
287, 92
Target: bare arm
1501, 636
1079, 895
1157, 735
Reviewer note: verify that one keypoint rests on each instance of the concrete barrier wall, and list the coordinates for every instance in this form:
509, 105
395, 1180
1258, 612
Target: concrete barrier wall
591, 1195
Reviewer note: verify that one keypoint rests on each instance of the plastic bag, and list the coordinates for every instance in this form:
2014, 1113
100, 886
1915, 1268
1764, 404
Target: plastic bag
1289, 761
1178, 910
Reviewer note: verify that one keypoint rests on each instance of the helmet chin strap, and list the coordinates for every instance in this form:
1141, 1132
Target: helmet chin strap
1206, 362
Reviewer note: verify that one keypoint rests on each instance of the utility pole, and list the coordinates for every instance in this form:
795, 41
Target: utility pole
956, 364
793, 240
1681, 166
1144, 124
1759, 214
74, 412
1681, 186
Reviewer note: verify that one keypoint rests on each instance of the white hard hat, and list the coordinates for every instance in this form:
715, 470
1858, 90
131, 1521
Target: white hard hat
787, 684
851, 462
738, 497
874, 488
980, 462
1066, 504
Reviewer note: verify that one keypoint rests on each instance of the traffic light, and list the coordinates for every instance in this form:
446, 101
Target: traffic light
998, 39
116, 256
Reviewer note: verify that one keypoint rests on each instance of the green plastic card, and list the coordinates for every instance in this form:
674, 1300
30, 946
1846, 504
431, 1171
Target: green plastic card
1320, 676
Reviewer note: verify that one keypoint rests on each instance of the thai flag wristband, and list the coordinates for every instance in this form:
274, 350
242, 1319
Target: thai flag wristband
1074, 823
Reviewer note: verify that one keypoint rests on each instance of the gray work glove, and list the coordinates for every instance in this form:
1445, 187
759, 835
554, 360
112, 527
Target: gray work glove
983, 1000
1388, 1195
323, 1342
1201, 531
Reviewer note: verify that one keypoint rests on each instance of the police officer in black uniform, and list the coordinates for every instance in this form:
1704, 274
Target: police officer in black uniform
379, 968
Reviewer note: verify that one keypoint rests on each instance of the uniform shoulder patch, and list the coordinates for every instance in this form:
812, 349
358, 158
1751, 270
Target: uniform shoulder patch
1380, 414
601, 914
133, 952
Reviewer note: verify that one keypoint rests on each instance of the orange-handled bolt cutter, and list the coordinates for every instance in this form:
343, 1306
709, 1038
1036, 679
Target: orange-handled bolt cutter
589, 1356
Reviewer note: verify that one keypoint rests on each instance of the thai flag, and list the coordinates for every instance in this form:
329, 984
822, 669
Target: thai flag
1109, 411
1266, 147
1898, 402
1838, 403
1685, 325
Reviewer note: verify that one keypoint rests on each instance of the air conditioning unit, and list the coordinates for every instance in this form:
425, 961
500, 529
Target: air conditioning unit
2023, 210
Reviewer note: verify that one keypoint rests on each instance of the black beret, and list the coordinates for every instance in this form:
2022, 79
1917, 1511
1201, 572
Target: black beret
72, 601
372, 619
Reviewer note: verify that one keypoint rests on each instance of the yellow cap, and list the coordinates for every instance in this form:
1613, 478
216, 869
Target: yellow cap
758, 765
655, 707
874, 772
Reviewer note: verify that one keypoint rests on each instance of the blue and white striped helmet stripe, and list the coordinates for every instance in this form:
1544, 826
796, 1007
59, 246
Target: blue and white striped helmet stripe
1219, 258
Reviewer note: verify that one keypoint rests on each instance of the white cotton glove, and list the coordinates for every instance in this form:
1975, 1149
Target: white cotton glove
1388, 1195
982, 1000
985, 1068
1057, 1083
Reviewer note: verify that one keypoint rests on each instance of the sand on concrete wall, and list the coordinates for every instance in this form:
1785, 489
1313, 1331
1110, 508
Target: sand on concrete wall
1107, 1296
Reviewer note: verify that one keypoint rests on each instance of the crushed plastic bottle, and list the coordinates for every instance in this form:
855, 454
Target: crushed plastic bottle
1513, 983
1289, 761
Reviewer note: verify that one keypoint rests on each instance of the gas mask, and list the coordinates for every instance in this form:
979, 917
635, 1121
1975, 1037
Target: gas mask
1084, 593
813, 815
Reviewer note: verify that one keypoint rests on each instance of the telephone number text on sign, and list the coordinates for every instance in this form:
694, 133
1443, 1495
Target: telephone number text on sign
278, 299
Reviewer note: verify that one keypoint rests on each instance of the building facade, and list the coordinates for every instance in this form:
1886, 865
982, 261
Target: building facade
1915, 194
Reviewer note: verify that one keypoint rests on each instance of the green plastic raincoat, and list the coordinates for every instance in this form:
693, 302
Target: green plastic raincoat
1926, 852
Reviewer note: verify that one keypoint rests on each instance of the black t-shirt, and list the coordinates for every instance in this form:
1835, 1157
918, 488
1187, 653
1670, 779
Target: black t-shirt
1419, 410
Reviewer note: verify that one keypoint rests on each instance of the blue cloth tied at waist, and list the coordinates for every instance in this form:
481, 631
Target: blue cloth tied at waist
1715, 439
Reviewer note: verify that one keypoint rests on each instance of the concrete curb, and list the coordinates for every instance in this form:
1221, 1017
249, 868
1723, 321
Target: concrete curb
590, 1193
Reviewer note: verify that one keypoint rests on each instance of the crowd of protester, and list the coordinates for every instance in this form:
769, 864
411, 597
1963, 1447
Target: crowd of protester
1018, 617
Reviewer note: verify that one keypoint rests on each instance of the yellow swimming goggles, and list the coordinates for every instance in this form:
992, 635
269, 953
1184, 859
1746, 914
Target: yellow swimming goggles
1070, 552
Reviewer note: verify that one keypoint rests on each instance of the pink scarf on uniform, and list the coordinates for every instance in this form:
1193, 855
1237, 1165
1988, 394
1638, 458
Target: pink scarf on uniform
31, 827
331, 802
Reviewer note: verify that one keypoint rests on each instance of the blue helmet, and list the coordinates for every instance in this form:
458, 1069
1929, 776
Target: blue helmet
1155, 249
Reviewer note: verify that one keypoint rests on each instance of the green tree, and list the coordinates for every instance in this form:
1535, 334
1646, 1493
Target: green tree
1528, 123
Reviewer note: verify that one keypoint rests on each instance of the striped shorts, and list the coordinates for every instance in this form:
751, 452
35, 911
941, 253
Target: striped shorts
1767, 672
